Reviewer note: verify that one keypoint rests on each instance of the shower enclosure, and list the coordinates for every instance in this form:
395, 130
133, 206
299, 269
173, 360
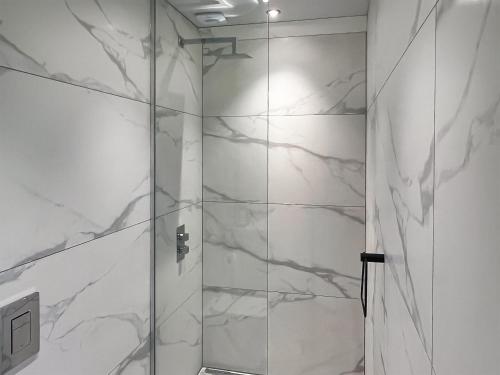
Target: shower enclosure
259, 195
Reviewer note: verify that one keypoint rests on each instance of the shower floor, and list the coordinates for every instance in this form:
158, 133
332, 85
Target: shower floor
212, 371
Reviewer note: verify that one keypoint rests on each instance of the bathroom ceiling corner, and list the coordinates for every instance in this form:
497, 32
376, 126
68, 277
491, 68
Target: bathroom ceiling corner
239, 12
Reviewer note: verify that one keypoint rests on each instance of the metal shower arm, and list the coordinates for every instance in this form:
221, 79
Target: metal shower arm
184, 42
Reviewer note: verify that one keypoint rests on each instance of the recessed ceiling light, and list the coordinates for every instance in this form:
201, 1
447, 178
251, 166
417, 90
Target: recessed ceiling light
273, 13
265, 1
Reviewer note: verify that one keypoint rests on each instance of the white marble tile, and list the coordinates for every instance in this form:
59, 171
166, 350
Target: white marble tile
466, 303
74, 165
375, 321
179, 339
392, 25
317, 75
235, 159
321, 26
235, 329
178, 160
317, 160
102, 45
404, 352
236, 84
235, 245
178, 70
404, 176
176, 282
310, 335
94, 306
315, 249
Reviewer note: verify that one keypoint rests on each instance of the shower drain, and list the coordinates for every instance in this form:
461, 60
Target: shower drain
214, 371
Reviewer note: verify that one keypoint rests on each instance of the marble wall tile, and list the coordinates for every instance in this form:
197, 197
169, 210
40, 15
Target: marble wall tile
404, 176
404, 351
178, 70
392, 25
90, 296
466, 303
179, 339
375, 321
176, 282
317, 75
74, 165
102, 45
235, 159
317, 160
178, 160
235, 329
236, 84
322, 26
311, 335
315, 249
235, 245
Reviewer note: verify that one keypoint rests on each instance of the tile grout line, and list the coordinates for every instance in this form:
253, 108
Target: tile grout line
202, 206
307, 205
269, 291
267, 190
95, 90
274, 116
72, 84
434, 190
152, 119
377, 94
73, 247
282, 22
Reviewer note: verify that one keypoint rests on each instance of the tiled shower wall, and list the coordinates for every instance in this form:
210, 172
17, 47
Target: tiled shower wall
178, 135
432, 187
75, 179
283, 193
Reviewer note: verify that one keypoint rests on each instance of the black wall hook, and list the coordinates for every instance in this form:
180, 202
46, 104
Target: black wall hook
365, 259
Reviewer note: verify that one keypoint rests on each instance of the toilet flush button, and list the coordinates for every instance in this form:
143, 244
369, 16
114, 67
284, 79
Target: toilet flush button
21, 332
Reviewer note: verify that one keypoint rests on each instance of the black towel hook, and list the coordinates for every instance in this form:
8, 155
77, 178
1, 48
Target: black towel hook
365, 259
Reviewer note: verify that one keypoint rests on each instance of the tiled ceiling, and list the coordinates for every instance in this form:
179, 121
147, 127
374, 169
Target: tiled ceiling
254, 11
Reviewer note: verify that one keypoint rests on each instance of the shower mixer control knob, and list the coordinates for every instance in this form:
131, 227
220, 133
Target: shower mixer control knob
182, 238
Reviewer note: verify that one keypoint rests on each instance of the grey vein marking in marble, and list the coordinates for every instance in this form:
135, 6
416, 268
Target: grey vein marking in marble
140, 354
112, 54
221, 196
340, 106
404, 214
465, 94
103, 37
333, 163
289, 331
482, 127
251, 146
118, 224
235, 245
182, 56
415, 19
179, 142
283, 254
230, 318
328, 275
